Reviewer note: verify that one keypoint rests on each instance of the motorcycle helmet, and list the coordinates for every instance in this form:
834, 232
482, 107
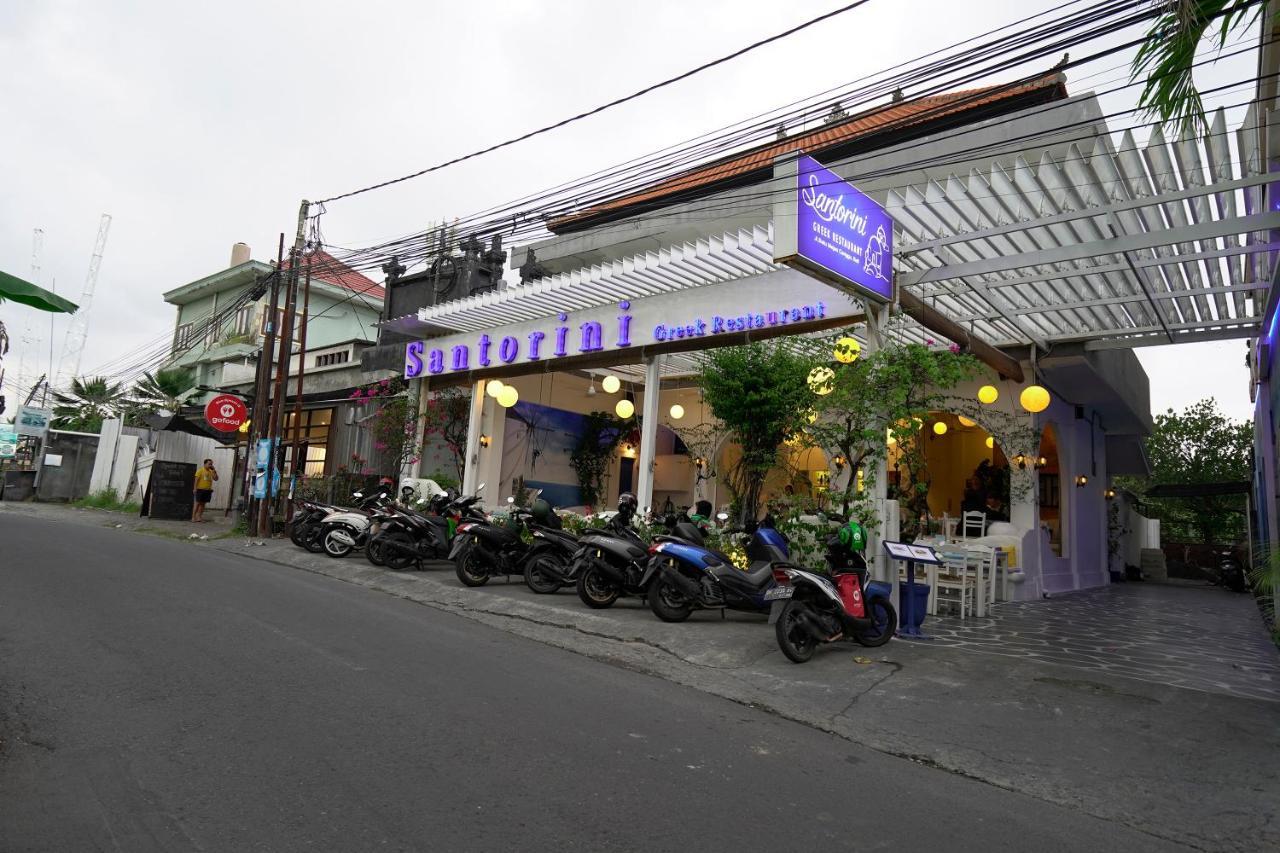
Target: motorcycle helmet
543, 514
627, 505
852, 537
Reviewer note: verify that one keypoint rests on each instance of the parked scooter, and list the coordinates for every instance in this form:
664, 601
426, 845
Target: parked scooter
810, 609
409, 536
1229, 573
611, 561
484, 549
688, 576
346, 530
548, 565
305, 526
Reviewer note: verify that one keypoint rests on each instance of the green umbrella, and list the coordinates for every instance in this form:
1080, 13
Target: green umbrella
12, 287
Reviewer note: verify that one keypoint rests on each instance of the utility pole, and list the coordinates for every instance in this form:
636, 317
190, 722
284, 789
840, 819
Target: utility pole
279, 396
277, 403
299, 467
265, 358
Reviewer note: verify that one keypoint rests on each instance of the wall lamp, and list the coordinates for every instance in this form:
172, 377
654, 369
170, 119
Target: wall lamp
1081, 481
484, 440
1110, 493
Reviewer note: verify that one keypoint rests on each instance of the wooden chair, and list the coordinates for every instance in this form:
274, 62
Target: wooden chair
973, 525
957, 583
981, 560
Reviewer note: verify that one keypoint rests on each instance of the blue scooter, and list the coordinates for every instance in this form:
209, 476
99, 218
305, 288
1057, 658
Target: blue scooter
684, 575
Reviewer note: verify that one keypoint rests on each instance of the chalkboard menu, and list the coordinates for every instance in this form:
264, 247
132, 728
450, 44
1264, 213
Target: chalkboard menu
169, 492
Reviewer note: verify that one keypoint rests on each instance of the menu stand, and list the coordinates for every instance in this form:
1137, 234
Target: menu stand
911, 554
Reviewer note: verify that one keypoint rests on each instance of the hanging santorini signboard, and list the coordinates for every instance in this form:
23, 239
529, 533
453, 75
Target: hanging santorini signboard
824, 227
780, 302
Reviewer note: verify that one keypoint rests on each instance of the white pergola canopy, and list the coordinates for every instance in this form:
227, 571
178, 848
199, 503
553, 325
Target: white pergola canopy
1126, 247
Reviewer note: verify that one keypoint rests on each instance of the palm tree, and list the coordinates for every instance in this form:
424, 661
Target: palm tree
166, 389
1169, 52
90, 402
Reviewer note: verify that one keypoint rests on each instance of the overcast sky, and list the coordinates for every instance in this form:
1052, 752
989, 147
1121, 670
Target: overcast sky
198, 126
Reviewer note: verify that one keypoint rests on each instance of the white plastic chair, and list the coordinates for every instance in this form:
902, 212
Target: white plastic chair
956, 583
974, 525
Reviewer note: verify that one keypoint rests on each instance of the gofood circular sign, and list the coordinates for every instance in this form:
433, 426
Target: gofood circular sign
225, 413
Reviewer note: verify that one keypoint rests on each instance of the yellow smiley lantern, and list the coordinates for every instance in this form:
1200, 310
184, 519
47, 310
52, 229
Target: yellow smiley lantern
846, 350
820, 379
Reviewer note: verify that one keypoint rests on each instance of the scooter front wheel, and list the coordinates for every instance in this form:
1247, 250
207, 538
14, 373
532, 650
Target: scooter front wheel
796, 642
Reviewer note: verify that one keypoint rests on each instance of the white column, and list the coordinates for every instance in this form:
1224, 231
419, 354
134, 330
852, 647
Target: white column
471, 462
649, 431
881, 569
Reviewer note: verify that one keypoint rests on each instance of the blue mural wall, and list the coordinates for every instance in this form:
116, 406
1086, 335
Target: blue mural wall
537, 443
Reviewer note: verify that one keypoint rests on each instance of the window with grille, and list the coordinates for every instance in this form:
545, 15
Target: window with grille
332, 358
183, 336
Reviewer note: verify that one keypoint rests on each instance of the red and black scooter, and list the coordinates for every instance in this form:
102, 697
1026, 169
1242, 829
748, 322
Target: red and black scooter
810, 609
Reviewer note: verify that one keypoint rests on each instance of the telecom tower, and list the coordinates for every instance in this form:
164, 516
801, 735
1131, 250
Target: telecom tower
73, 346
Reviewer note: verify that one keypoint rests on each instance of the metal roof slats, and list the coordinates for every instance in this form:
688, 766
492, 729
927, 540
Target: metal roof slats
977, 216
1186, 153
1105, 168
1218, 146
1162, 168
1132, 166
1058, 181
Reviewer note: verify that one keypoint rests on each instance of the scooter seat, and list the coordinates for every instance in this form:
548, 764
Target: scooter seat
758, 572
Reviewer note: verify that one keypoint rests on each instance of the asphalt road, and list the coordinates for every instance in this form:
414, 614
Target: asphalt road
156, 695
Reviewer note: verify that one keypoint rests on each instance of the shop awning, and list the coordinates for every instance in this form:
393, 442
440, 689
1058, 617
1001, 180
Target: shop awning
17, 290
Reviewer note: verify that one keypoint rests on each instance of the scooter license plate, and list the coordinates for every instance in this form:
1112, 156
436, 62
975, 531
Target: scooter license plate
776, 610
779, 593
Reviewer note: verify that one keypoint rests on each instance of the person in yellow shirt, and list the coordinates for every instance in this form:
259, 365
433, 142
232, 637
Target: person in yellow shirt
206, 475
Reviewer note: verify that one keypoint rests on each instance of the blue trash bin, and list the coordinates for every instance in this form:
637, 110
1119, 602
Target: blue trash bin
919, 607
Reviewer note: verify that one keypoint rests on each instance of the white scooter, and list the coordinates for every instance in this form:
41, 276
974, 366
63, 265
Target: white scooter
345, 530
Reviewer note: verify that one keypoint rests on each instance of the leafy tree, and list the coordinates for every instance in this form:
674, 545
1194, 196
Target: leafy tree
166, 389
1169, 52
887, 392
89, 403
760, 393
1198, 445
448, 415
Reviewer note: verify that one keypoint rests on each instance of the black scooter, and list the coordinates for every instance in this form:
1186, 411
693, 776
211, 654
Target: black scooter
610, 563
549, 564
408, 537
485, 550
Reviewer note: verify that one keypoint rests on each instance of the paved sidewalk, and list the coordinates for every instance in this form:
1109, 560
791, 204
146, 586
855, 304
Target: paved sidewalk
1194, 636
1196, 766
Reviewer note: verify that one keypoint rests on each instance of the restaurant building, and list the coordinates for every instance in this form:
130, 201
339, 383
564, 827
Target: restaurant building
1018, 229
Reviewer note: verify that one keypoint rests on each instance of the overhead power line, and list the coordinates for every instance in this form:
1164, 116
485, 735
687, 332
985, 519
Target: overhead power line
616, 102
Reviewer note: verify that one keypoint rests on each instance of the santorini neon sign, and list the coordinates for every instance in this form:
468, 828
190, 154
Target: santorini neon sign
433, 358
